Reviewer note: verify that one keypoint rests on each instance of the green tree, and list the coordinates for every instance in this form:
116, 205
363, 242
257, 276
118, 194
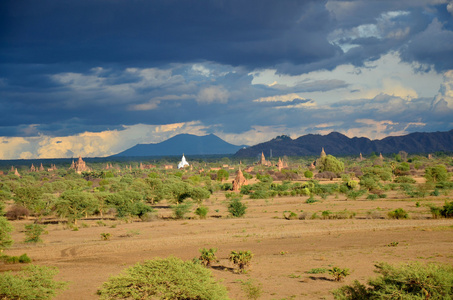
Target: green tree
222, 175
437, 174
169, 278
75, 204
33, 282
330, 163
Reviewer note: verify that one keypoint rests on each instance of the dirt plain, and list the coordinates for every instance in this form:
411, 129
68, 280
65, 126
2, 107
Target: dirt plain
284, 250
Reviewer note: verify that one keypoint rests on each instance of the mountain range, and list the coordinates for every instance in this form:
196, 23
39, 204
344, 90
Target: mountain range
338, 144
188, 144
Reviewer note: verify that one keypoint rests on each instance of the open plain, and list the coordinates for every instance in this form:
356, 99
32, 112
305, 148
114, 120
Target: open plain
284, 250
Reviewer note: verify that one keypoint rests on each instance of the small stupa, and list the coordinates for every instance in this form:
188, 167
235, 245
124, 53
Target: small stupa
183, 163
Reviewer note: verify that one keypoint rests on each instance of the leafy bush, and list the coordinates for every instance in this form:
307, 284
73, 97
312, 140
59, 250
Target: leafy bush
241, 259
308, 174
33, 282
207, 256
405, 281
447, 210
180, 210
404, 179
33, 233
338, 274
169, 278
435, 211
23, 259
5, 237
372, 197
311, 200
105, 236
398, 213
236, 208
202, 212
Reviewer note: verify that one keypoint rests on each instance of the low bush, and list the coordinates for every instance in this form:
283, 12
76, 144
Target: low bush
16, 212
290, 216
447, 210
169, 278
236, 208
33, 233
398, 213
207, 256
241, 259
338, 274
33, 282
202, 212
180, 210
23, 259
405, 281
105, 236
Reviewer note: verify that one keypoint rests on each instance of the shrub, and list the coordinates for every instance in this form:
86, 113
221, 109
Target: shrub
338, 274
404, 179
16, 212
169, 278
290, 216
241, 259
372, 197
202, 212
354, 194
33, 233
236, 208
311, 200
398, 213
405, 281
207, 256
33, 282
105, 236
447, 210
5, 237
180, 210
435, 211
23, 259
308, 174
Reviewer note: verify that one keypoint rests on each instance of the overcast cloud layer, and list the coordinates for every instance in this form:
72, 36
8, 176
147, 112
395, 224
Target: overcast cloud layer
95, 77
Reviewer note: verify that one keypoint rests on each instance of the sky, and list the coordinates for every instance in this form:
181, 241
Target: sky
96, 77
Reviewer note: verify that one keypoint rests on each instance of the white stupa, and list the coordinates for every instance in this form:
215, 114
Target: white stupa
183, 163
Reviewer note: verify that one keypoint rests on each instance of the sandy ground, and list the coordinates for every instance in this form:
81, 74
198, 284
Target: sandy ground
284, 249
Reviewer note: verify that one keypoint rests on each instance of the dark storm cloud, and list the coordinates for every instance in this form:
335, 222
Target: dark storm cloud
150, 32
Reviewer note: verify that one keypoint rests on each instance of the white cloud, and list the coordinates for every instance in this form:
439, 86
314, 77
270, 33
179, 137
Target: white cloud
154, 102
373, 129
213, 94
388, 75
445, 96
280, 98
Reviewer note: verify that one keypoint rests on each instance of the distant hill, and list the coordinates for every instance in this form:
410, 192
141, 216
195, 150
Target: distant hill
338, 144
183, 144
